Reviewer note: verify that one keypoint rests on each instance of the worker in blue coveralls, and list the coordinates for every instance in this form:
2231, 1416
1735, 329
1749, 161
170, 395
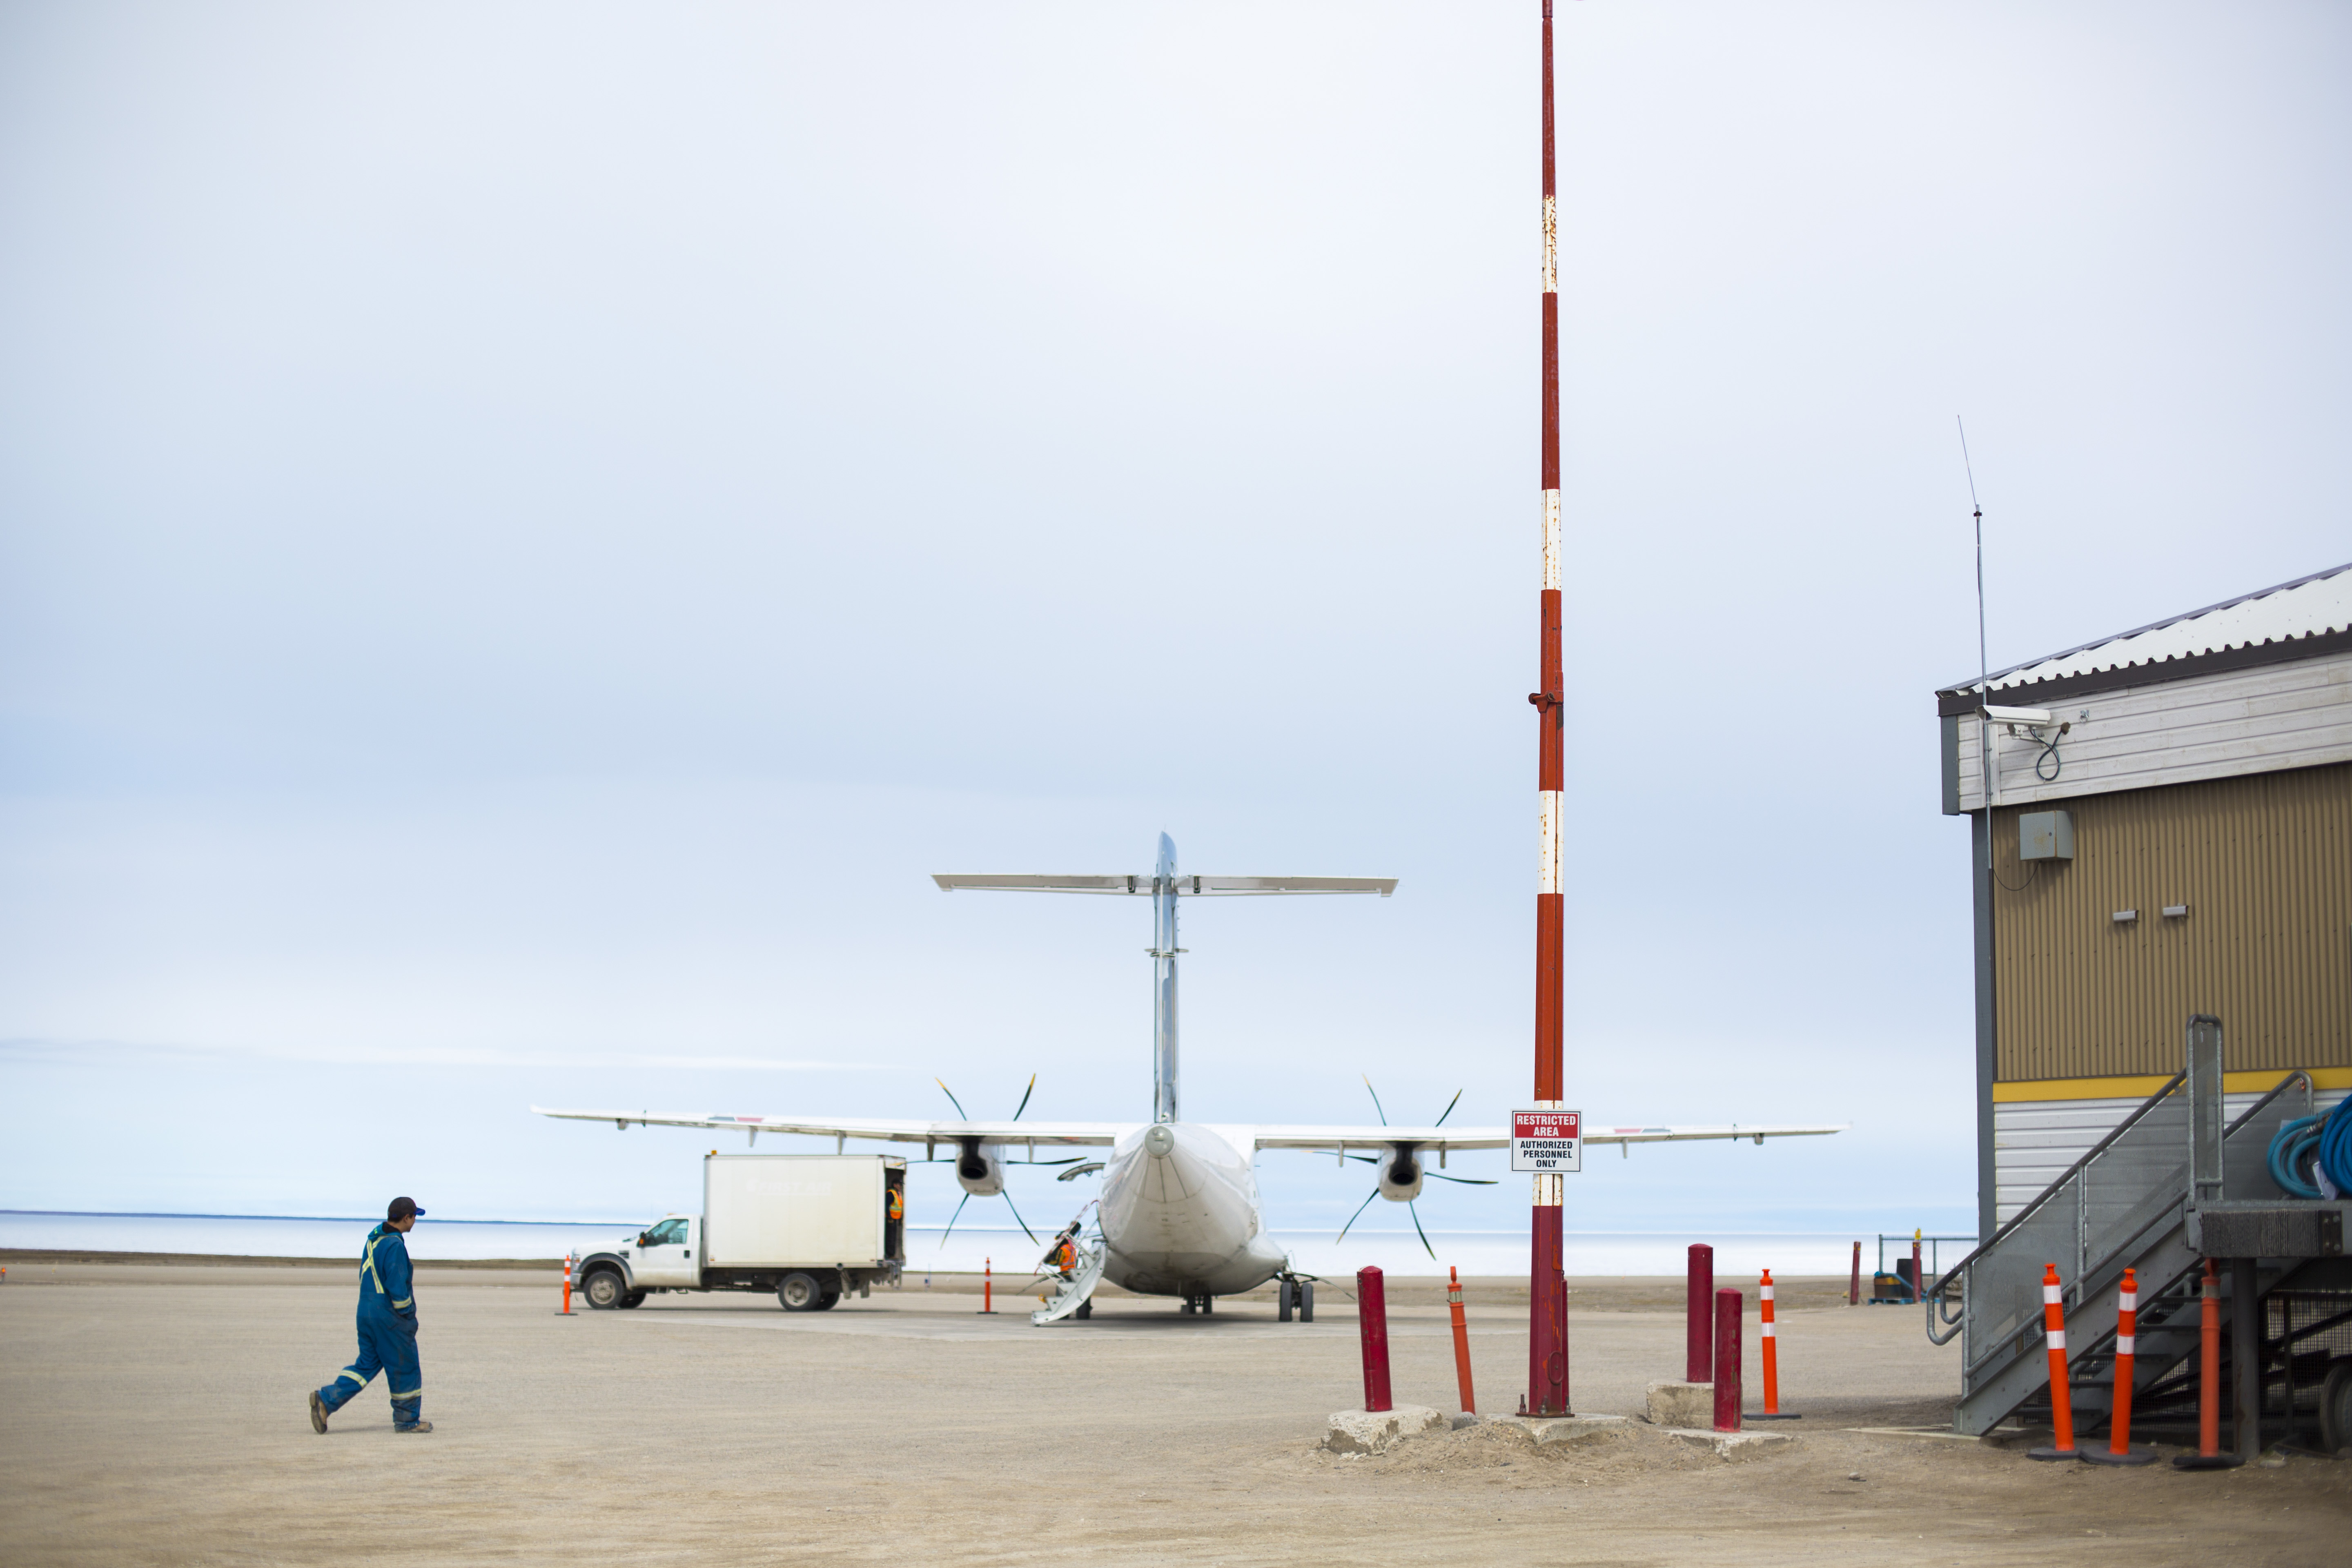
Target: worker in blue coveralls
387, 1327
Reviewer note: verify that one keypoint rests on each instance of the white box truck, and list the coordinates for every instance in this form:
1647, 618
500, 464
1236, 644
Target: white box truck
811, 1228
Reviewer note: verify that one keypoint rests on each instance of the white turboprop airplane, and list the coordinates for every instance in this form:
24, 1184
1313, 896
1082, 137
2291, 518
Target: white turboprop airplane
1179, 1213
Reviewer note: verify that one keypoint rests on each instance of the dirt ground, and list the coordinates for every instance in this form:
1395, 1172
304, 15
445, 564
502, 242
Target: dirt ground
153, 1414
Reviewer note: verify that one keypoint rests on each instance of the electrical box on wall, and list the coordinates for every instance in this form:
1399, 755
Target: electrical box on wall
2045, 835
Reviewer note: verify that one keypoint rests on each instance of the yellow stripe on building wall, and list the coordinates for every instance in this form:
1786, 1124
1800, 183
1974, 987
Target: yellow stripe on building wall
2141, 1088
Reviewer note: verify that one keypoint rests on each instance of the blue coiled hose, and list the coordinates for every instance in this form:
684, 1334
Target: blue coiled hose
2325, 1140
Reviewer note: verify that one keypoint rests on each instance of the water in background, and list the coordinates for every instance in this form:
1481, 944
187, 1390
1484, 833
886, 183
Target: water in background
1474, 1252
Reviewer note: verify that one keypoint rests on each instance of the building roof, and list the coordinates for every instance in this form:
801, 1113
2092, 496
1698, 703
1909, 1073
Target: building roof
2303, 619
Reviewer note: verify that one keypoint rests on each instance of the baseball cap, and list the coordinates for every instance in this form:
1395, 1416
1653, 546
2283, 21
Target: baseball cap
402, 1208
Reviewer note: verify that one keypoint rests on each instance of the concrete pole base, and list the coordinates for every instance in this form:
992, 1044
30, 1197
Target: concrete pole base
1737, 1444
1378, 1431
1680, 1404
1547, 1431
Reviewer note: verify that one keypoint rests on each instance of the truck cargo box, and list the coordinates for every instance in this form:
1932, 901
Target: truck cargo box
769, 1211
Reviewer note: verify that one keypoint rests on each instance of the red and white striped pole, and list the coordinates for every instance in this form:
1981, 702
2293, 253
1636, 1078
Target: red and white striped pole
567, 1286
1547, 1289
2061, 1408
2119, 1448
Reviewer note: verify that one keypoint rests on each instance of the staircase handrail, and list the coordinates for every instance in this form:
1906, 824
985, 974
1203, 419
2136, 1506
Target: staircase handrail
2021, 1215
1933, 1297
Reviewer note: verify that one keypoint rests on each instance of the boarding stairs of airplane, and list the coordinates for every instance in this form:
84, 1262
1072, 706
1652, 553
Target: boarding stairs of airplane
2170, 1186
1076, 1293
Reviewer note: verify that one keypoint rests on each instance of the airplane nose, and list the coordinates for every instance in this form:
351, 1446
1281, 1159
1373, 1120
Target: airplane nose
1159, 1142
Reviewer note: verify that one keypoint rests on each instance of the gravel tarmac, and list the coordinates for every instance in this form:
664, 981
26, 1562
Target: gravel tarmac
154, 1413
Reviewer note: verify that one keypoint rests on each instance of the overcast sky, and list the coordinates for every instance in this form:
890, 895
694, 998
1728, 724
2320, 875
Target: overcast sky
527, 531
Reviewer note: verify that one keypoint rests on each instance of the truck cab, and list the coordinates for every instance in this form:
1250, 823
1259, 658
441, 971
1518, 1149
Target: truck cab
667, 1254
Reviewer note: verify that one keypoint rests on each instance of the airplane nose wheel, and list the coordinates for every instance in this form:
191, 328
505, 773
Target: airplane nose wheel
1294, 1295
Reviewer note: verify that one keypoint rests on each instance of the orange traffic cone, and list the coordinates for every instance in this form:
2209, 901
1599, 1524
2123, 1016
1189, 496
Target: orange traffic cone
2061, 1408
1771, 1343
2118, 1450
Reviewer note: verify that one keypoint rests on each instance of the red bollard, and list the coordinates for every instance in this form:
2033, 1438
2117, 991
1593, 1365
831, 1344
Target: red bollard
1919, 1281
1699, 1327
2062, 1405
1372, 1327
1853, 1286
2119, 1448
2209, 1455
567, 1287
1461, 1340
1770, 1335
1729, 1306
987, 1287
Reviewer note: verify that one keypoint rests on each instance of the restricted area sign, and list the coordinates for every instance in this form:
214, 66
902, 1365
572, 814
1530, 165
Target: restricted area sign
1548, 1140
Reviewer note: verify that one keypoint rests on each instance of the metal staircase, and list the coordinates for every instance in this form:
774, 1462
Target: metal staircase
2168, 1186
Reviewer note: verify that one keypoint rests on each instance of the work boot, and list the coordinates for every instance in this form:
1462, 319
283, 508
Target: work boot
317, 1412
415, 1426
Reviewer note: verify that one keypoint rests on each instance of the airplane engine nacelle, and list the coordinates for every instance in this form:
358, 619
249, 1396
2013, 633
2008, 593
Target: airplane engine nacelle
980, 1173
1400, 1175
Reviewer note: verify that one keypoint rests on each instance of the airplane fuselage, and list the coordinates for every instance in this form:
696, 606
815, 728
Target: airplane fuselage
1180, 1213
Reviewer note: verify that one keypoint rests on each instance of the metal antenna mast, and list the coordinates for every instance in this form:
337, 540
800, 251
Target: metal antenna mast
1984, 661
1547, 1289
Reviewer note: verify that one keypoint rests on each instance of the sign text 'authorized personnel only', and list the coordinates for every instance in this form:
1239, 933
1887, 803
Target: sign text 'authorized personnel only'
1547, 1141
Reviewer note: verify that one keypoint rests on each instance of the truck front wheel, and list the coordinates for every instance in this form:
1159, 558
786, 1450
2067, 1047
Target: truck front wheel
603, 1288
800, 1293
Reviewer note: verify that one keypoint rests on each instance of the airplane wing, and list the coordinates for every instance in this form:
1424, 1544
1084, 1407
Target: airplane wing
928, 1134
1190, 887
1334, 1139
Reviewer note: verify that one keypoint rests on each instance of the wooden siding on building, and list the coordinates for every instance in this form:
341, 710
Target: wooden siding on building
2264, 864
2279, 716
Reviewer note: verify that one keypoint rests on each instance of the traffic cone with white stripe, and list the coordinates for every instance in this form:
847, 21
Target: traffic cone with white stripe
2061, 1410
1771, 1339
2118, 1450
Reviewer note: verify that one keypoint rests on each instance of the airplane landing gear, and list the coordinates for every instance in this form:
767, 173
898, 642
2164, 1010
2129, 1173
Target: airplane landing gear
1295, 1295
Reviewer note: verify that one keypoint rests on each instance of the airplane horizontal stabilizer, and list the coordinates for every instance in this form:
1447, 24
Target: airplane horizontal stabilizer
1186, 886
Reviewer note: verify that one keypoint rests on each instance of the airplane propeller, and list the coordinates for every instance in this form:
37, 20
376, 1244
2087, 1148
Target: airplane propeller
1411, 1206
1007, 1196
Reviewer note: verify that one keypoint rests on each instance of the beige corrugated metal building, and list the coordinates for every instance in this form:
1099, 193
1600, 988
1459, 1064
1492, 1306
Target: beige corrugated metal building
2170, 824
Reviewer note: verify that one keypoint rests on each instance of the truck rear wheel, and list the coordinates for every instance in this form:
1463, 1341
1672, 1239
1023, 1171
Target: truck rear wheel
2336, 1405
800, 1293
603, 1288
826, 1304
